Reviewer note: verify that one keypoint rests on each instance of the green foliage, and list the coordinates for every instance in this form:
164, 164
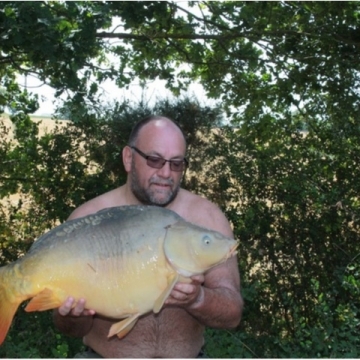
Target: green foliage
251, 55
291, 196
297, 215
33, 336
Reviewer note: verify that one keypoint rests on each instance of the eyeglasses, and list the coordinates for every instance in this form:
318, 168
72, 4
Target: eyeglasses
158, 162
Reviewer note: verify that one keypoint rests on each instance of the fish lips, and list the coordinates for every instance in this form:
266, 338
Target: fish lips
233, 251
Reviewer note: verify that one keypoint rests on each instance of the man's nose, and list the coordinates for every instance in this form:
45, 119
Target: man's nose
165, 171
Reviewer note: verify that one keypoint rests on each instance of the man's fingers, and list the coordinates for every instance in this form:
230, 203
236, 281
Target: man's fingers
68, 308
198, 279
79, 308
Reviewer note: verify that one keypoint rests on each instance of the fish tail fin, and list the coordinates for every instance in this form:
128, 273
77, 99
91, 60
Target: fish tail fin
8, 304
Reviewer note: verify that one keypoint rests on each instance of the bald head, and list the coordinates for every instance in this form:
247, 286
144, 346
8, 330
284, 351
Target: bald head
157, 124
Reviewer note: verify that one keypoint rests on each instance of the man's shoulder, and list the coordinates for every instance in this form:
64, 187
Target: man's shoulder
96, 204
194, 202
203, 212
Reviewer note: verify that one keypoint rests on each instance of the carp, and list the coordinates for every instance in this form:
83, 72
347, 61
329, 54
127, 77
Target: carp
123, 260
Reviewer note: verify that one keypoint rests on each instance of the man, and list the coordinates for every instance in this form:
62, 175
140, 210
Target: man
154, 161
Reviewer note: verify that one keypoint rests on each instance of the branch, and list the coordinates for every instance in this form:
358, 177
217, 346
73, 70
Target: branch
204, 20
250, 35
104, 34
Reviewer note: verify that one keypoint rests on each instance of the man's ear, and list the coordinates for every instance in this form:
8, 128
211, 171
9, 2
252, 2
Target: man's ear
127, 158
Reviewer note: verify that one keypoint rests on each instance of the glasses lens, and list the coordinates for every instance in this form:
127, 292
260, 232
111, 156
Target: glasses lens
177, 165
158, 162
155, 162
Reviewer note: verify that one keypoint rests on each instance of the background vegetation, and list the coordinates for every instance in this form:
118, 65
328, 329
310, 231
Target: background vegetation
285, 168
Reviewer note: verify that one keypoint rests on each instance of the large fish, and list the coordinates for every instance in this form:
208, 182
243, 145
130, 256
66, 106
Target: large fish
123, 260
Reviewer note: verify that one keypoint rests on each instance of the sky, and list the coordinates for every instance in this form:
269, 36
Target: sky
154, 90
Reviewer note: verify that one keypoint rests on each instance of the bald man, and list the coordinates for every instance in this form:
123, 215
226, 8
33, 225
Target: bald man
154, 160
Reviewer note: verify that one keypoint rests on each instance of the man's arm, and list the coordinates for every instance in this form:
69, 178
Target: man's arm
215, 303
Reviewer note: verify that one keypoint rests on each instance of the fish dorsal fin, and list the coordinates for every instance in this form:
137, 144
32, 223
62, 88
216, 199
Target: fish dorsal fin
45, 300
122, 327
173, 278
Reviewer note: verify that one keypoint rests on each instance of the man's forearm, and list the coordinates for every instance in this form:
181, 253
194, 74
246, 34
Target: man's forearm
218, 308
73, 326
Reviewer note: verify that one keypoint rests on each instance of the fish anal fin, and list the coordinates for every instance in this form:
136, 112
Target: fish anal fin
173, 279
122, 327
45, 300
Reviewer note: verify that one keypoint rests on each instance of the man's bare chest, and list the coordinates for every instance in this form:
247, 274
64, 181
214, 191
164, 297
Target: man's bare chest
171, 333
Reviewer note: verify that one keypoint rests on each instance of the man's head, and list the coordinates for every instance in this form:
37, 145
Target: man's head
153, 140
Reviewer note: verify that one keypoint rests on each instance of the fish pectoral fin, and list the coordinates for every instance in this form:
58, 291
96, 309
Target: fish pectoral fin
185, 279
122, 327
45, 300
165, 294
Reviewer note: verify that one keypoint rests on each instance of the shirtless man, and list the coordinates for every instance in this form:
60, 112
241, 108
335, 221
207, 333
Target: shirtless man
154, 161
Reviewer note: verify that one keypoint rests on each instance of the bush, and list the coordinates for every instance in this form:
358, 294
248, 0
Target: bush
292, 197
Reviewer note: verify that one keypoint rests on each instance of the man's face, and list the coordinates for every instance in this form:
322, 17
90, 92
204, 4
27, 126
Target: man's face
157, 186
156, 190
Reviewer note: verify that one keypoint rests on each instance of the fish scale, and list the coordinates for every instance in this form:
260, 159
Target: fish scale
123, 260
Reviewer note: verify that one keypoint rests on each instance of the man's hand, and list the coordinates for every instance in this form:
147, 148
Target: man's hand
186, 294
72, 308
72, 318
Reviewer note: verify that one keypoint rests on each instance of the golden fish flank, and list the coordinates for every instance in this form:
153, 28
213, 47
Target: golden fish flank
151, 247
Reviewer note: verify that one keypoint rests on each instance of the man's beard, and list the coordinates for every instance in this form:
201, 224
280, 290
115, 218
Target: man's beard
148, 197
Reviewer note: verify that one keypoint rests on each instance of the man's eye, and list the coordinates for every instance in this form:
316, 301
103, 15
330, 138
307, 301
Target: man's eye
155, 160
176, 164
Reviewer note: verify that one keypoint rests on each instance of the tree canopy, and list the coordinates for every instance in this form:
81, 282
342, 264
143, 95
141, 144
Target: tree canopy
252, 55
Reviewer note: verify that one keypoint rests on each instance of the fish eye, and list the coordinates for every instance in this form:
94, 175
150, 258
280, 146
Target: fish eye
206, 240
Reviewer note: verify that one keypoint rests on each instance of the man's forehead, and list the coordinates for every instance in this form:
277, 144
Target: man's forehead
160, 127
160, 124
163, 138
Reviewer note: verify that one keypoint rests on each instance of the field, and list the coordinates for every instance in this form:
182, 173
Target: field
46, 125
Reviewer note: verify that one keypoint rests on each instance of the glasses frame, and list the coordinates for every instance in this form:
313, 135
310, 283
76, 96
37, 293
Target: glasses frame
164, 161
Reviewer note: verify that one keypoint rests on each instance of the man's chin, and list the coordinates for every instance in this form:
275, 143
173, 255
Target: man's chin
161, 199
161, 202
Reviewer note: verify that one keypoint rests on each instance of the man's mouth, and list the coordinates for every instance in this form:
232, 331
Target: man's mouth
164, 185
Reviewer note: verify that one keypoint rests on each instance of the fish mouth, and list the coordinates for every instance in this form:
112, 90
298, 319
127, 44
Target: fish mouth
233, 251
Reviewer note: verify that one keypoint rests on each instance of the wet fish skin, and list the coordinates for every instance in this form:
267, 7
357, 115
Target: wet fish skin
124, 260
